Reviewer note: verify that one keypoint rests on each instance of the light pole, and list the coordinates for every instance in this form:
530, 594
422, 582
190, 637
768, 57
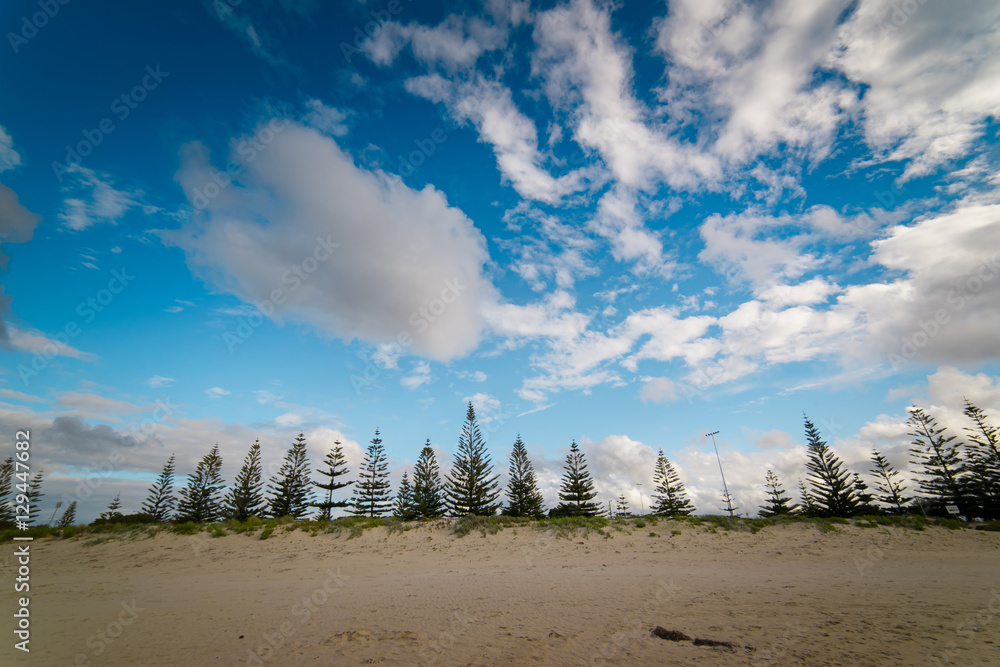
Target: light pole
729, 499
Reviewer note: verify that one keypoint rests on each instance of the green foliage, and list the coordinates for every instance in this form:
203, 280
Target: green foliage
831, 488
187, 528
35, 496
428, 493
523, 496
577, 488
891, 489
942, 469
119, 520
621, 508
266, 533
6, 499
777, 501
336, 466
405, 508
670, 498
200, 501
983, 449
371, 494
160, 502
68, 517
291, 487
471, 488
217, 530
70, 531
112, 514
246, 499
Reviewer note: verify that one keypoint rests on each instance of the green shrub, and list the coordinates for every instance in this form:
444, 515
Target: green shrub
266, 533
187, 528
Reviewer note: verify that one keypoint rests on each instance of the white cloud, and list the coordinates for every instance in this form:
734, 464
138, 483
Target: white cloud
217, 392
421, 374
36, 341
932, 77
455, 43
326, 119
95, 406
414, 264
490, 107
95, 199
159, 381
9, 158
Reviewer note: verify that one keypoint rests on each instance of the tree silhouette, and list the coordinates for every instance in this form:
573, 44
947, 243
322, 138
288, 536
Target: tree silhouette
113, 507
777, 501
471, 488
371, 493
621, 508
35, 496
405, 508
428, 493
577, 488
246, 498
6, 484
891, 490
983, 449
160, 502
201, 501
291, 487
942, 474
670, 498
832, 491
68, 517
336, 466
523, 496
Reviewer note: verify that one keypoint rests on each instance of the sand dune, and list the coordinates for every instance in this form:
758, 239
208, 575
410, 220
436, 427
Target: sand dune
784, 596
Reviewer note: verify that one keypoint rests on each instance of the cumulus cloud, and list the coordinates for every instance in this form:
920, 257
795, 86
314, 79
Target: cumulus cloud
350, 252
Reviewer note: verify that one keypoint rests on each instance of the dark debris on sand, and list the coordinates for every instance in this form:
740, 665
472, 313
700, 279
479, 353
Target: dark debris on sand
678, 636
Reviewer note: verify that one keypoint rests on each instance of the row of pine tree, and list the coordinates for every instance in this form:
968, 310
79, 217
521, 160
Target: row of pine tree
963, 474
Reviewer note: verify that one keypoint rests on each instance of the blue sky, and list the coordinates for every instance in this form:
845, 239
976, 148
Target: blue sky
623, 225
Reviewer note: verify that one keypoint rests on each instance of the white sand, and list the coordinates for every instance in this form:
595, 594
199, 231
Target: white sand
798, 596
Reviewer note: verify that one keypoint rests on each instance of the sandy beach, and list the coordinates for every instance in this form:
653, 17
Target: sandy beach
787, 595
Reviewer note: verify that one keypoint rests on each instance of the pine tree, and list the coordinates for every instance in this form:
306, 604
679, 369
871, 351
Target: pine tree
892, 490
291, 487
246, 498
6, 484
35, 496
670, 498
523, 496
831, 487
405, 508
809, 505
160, 502
866, 501
336, 466
471, 488
68, 517
371, 494
621, 509
428, 493
577, 488
983, 450
201, 500
777, 501
942, 471
112, 512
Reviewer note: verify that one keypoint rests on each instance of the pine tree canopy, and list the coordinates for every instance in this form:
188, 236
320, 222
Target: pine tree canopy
523, 496
246, 498
291, 487
160, 502
200, 501
777, 501
577, 489
471, 487
371, 493
831, 486
942, 468
669, 495
335, 466
428, 492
